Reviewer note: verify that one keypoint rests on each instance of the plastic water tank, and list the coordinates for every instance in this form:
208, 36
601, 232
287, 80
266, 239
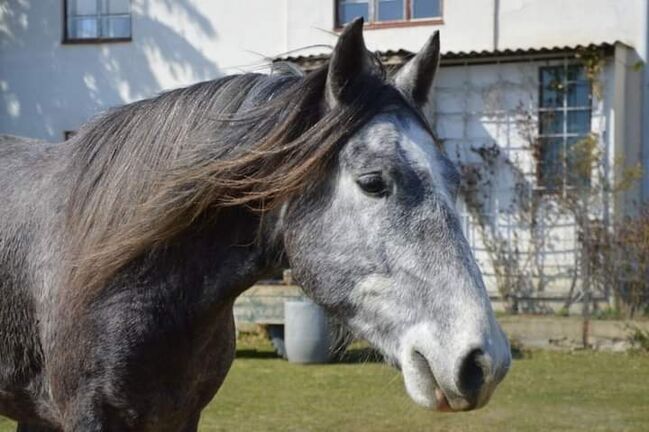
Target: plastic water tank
306, 334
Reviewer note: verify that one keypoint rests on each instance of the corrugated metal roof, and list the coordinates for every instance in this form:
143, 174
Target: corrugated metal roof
398, 57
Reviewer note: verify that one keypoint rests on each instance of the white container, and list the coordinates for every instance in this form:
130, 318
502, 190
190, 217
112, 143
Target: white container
306, 333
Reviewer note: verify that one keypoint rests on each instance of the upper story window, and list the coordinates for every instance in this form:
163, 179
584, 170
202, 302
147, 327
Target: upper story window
97, 20
564, 120
388, 11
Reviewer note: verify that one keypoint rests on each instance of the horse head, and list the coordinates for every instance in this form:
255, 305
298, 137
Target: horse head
379, 243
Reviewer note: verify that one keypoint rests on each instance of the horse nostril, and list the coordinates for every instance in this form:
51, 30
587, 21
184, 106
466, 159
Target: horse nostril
472, 373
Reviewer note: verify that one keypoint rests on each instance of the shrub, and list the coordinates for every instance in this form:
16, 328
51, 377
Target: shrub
629, 264
639, 338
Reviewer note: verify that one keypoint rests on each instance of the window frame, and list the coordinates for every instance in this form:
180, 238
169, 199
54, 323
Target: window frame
565, 135
65, 40
407, 21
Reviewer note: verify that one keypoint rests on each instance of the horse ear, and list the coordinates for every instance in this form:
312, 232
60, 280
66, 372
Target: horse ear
415, 79
349, 60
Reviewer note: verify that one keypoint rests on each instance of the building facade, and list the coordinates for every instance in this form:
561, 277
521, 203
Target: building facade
522, 83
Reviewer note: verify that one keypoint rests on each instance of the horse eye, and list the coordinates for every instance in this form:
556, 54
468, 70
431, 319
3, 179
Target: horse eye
373, 184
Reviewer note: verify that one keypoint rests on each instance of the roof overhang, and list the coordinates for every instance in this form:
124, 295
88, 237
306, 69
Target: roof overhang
396, 58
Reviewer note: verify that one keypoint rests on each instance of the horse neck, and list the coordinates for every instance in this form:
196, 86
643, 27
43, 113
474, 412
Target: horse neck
218, 262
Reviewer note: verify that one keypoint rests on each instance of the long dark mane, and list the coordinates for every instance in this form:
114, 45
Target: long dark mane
147, 171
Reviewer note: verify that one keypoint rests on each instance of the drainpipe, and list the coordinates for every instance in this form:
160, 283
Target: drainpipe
496, 29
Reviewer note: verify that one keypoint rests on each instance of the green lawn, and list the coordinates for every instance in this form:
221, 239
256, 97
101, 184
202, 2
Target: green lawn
549, 391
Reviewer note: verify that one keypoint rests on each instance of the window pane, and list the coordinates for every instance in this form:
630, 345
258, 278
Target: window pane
82, 7
551, 97
551, 165
579, 171
390, 10
348, 11
426, 8
578, 95
552, 77
562, 164
578, 121
576, 73
552, 87
116, 6
116, 27
551, 123
83, 28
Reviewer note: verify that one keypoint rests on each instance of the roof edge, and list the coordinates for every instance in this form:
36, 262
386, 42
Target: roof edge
454, 58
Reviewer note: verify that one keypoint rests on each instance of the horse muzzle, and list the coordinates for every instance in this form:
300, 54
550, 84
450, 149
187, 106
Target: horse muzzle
458, 374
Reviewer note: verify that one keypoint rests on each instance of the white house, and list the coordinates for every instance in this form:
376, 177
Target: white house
521, 82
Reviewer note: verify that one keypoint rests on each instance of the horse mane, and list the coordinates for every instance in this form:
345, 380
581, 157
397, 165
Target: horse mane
146, 172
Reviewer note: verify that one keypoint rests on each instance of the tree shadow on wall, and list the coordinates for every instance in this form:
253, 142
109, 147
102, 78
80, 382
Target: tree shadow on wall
57, 84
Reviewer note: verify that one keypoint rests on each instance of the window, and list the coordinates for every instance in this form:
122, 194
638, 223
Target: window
388, 11
97, 20
564, 120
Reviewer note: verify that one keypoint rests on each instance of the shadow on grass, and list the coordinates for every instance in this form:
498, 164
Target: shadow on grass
249, 353
518, 350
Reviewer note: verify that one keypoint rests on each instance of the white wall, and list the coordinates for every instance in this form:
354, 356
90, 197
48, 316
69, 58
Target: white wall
482, 106
534, 23
47, 87
476, 25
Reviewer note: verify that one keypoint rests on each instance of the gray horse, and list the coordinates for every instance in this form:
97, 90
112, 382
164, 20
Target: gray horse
123, 249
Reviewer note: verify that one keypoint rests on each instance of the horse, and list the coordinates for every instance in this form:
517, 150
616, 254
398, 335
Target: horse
123, 248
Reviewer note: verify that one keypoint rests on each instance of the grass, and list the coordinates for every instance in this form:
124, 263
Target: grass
582, 391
